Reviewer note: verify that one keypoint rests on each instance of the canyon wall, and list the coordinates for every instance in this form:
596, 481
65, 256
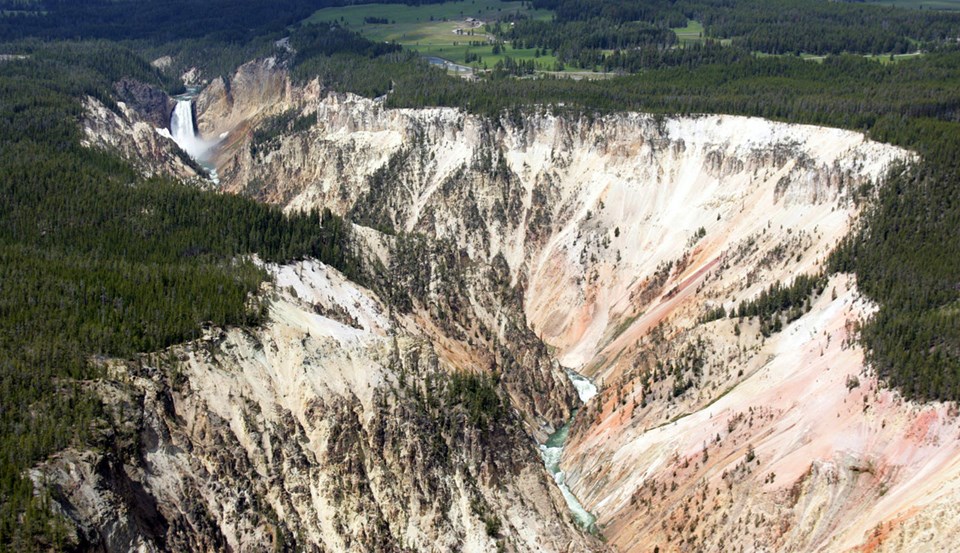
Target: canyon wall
617, 245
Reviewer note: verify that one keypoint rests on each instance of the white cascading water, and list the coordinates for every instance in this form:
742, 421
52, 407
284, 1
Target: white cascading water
552, 450
185, 135
585, 388
183, 132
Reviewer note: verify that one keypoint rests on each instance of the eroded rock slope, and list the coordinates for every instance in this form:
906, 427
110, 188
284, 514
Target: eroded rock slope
615, 240
335, 427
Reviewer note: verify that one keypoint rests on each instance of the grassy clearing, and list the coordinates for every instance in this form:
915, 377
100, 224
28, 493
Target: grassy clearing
440, 30
693, 32
487, 59
887, 58
485, 10
882, 58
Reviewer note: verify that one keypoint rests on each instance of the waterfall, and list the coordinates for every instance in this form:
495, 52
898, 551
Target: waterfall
183, 132
585, 388
185, 135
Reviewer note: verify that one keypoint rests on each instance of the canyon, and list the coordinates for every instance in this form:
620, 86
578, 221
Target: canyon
501, 253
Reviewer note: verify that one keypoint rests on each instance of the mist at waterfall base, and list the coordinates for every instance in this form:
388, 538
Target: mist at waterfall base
552, 450
184, 134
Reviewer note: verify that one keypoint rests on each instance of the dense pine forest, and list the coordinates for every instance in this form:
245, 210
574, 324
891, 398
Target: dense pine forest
585, 31
98, 261
777, 26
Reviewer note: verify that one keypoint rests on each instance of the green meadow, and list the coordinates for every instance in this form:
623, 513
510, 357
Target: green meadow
440, 30
693, 33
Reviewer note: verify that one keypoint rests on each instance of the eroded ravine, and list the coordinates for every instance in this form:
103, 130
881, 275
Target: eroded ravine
623, 230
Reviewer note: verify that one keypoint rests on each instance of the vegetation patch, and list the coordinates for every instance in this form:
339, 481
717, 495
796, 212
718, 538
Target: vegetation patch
780, 305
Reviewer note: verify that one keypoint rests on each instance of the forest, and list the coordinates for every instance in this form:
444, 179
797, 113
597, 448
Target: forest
235, 21
607, 33
776, 26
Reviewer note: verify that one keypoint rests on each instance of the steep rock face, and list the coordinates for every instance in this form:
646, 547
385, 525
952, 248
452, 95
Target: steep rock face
151, 104
783, 443
624, 233
475, 319
583, 210
150, 148
334, 428
264, 87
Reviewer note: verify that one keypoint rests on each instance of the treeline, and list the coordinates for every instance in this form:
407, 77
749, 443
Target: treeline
213, 58
662, 13
637, 59
214, 36
899, 103
95, 260
370, 77
582, 42
509, 67
160, 21
234, 21
778, 26
659, 49
843, 91
326, 39
583, 33
907, 258
347, 62
821, 27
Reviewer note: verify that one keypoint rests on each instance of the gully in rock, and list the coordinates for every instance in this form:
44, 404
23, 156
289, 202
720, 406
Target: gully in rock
552, 450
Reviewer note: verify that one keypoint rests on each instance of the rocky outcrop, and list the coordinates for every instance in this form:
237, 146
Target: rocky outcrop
336, 427
151, 104
264, 89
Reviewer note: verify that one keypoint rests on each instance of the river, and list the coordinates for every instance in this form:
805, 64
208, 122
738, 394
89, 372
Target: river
552, 450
